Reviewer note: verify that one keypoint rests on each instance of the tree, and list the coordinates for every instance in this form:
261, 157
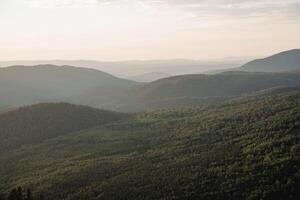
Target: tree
19, 193
29, 195
13, 195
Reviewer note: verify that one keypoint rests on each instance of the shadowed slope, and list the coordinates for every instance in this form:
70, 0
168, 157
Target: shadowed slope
247, 149
33, 124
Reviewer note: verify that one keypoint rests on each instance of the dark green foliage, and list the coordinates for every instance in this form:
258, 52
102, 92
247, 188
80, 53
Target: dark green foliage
245, 149
18, 194
295, 152
29, 195
32, 124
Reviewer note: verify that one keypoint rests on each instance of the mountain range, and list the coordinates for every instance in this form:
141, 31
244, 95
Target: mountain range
21, 85
281, 62
138, 68
149, 77
72, 133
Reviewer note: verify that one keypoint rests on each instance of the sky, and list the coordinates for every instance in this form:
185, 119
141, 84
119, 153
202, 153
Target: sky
112, 30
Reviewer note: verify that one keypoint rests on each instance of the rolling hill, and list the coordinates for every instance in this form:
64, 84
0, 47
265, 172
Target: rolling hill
137, 67
285, 61
225, 84
243, 149
23, 85
281, 62
34, 124
187, 90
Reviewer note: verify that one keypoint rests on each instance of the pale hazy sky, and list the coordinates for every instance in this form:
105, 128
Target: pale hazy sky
146, 29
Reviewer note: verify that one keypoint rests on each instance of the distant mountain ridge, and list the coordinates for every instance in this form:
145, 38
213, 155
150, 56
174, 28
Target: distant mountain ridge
204, 87
23, 85
284, 61
281, 62
149, 77
132, 68
29, 85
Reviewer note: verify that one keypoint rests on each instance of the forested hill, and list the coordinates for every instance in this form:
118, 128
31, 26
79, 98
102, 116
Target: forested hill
225, 84
188, 90
245, 149
33, 124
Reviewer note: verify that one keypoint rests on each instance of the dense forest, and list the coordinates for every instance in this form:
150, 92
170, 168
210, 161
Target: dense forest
33, 124
247, 148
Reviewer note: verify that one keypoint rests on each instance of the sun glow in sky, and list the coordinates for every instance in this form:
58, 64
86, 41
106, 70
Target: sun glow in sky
146, 29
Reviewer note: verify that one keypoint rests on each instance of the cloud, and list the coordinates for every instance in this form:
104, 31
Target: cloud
241, 8
199, 8
57, 3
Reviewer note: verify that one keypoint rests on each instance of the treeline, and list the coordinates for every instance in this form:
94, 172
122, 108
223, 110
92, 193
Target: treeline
20, 193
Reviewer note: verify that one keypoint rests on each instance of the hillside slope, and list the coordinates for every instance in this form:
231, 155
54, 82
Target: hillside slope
284, 61
34, 124
246, 149
22, 85
228, 84
28, 85
187, 90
